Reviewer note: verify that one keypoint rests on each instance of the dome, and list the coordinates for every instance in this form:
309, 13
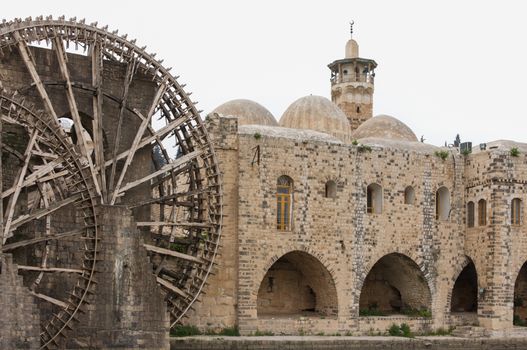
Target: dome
248, 112
384, 127
319, 114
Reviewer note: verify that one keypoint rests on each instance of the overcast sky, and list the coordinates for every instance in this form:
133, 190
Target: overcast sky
444, 67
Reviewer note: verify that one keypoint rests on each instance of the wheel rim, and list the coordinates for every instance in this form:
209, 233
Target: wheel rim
177, 203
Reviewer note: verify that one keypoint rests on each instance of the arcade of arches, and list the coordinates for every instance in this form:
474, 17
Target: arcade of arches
465, 292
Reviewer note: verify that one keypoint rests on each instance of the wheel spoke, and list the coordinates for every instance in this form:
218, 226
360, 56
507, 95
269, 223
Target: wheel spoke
50, 300
24, 243
18, 186
48, 269
62, 58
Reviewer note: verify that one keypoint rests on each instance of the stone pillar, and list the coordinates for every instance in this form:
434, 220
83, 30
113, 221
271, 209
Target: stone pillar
128, 310
19, 316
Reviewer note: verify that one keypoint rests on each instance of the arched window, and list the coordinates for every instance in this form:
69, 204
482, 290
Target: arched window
482, 212
331, 189
374, 199
409, 195
284, 203
516, 211
470, 214
442, 204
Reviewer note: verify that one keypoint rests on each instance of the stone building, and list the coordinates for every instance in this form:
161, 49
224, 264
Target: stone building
339, 222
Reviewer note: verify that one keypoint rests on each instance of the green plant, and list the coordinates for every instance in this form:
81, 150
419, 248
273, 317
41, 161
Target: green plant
441, 154
466, 152
440, 332
354, 142
514, 152
321, 333
517, 321
301, 332
230, 332
257, 135
406, 332
184, 331
371, 312
178, 247
348, 334
394, 330
363, 148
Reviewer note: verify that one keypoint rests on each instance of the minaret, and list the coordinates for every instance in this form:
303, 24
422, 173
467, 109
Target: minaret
352, 84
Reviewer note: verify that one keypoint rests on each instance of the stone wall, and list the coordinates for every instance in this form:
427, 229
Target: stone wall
19, 317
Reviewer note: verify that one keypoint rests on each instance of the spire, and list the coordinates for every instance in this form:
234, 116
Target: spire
351, 28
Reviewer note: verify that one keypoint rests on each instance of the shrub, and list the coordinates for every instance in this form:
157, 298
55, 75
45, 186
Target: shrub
517, 321
405, 330
441, 154
257, 135
230, 332
514, 152
355, 142
363, 148
371, 312
184, 331
259, 333
394, 330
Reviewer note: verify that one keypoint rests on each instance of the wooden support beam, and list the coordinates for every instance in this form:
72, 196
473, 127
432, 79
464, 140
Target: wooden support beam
27, 242
37, 214
1, 187
163, 251
48, 269
171, 287
147, 140
168, 167
130, 68
138, 136
18, 187
36, 176
97, 101
50, 299
25, 53
58, 46
176, 223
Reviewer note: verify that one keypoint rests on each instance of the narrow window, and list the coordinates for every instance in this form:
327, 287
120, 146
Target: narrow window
442, 204
284, 201
374, 199
409, 195
331, 189
358, 109
482, 212
470, 214
516, 211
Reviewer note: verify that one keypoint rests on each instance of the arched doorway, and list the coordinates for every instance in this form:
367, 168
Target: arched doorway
395, 285
465, 291
297, 283
520, 297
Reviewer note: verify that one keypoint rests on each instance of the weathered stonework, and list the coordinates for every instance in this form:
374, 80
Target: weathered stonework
19, 321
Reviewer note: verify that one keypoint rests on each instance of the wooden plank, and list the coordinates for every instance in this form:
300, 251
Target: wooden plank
147, 140
168, 167
97, 101
27, 242
18, 187
176, 223
70, 96
45, 211
1, 187
50, 299
137, 139
127, 81
163, 251
171, 287
25, 53
48, 269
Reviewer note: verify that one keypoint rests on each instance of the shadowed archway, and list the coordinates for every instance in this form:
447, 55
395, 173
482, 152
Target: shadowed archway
395, 285
297, 283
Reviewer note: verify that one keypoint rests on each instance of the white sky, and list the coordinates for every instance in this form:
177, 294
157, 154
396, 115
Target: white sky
445, 67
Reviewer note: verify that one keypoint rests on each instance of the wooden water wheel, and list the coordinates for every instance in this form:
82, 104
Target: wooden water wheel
75, 136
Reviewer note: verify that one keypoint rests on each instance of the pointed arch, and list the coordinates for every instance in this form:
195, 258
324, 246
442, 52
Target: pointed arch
395, 284
297, 283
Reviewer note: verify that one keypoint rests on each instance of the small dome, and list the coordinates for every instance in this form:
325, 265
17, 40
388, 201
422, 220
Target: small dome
352, 49
248, 112
384, 127
319, 114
